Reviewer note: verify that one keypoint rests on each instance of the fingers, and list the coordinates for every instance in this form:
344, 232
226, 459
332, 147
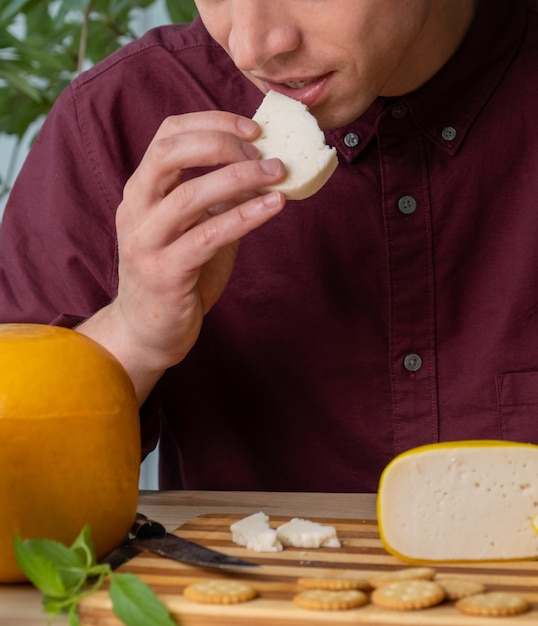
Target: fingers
177, 239
192, 140
223, 121
199, 245
187, 222
187, 203
155, 194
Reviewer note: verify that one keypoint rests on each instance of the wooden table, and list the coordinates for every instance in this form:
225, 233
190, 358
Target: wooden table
20, 605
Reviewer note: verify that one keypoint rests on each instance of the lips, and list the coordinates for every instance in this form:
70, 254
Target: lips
307, 90
298, 84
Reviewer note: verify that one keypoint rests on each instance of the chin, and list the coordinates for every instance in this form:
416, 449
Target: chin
331, 117
331, 120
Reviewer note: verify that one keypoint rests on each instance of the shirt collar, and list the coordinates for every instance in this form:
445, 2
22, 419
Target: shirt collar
454, 97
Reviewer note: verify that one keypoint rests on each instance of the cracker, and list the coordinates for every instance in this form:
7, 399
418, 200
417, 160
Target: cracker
458, 588
219, 592
328, 600
335, 583
409, 573
493, 604
408, 595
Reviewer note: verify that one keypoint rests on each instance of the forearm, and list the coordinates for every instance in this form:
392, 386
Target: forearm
104, 328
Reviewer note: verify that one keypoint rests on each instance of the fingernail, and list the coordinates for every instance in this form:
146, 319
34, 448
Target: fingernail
271, 166
268, 203
250, 151
246, 126
271, 200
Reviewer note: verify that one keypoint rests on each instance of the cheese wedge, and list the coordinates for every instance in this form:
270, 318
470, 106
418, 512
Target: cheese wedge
288, 131
461, 501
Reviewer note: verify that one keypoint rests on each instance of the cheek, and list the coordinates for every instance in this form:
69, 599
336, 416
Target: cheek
216, 20
376, 32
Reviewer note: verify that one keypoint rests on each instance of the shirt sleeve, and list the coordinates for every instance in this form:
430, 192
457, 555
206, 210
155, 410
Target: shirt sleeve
57, 239
58, 261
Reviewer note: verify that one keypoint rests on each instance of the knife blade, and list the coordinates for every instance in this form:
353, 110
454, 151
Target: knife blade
147, 534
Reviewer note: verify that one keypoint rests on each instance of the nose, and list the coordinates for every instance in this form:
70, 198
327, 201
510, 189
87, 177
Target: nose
260, 31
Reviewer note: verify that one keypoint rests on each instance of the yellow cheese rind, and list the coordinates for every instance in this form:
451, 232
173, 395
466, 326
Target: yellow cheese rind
461, 501
289, 132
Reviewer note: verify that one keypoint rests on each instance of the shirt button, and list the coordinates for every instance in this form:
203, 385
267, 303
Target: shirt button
412, 362
399, 111
352, 140
407, 205
449, 133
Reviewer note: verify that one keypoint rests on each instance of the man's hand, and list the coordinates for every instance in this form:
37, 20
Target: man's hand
178, 241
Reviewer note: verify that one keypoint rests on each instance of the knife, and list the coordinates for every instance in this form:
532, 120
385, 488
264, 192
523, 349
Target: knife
147, 534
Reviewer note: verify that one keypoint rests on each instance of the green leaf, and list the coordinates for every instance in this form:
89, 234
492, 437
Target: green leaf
66, 564
10, 9
136, 604
83, 547
65, 575
180, 12
55, 606
75, 5
73, 616
20, 83
39, 570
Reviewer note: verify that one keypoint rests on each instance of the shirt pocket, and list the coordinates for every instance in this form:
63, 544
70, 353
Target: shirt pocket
517, 405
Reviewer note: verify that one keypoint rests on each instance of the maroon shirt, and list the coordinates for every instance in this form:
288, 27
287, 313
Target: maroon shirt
397, 307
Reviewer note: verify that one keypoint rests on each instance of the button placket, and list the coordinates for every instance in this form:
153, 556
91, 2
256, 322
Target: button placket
410, 259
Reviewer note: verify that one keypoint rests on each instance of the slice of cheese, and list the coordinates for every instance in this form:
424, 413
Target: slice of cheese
254, 533
461, 501
288, 131
303, 533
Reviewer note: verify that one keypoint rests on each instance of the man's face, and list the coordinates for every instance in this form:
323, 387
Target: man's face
337, 56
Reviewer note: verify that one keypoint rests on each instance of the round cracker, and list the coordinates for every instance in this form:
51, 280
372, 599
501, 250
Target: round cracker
408, 595
220, 592
493, 604
409, 573
327, 600
335, 583
458, 588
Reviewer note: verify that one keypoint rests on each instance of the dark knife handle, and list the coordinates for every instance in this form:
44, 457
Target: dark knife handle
144, 528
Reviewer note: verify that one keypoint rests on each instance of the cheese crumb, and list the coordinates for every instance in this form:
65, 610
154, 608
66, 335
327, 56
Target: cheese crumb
254, 533
302, 533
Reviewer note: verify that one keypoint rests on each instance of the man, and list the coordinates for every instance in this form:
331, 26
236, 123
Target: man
394, 308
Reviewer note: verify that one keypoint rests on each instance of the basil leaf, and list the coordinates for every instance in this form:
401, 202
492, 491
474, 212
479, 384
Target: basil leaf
53, 551
73, 616
55, 606
39, 570
83, 547
68, 564
67, 574
136, 604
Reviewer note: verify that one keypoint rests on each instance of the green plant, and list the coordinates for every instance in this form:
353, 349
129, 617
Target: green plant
67, 574
43, 45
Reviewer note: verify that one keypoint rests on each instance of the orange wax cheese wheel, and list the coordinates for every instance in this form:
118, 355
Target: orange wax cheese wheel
70, 441
460, 501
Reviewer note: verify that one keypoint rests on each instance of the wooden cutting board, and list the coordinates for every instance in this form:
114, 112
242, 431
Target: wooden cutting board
276, 582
